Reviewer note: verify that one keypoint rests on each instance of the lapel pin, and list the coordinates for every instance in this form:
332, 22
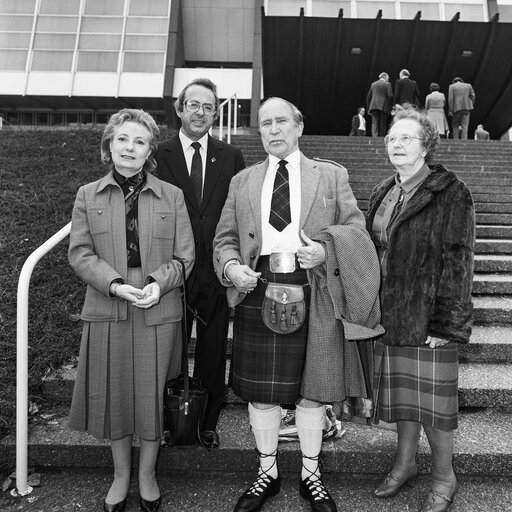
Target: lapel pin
213, 160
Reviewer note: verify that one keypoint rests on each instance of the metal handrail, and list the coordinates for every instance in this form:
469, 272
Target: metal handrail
22, 487
232, 99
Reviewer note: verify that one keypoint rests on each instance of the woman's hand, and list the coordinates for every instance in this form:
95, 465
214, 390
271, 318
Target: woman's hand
126, 292
150, 296
436, 342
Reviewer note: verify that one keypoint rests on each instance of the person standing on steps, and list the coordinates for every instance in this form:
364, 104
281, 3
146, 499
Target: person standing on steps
203, 167
461, 101
406, 90
379, 101
126, 230
286, 225
422, 221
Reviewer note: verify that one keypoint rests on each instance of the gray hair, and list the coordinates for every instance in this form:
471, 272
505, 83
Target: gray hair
296, 113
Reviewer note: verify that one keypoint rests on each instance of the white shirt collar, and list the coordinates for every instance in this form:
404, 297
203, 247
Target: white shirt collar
293, 159
187, 141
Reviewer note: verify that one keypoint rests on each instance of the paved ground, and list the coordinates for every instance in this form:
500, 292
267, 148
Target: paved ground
73, 490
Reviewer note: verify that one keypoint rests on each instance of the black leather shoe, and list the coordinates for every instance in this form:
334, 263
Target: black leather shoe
150, 506
255, 496
209, 439
317, 495
392, 484
116, 507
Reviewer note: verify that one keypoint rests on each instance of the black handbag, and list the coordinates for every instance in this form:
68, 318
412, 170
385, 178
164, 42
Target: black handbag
184, 396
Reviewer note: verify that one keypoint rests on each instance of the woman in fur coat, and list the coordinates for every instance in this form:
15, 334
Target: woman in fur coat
422, 223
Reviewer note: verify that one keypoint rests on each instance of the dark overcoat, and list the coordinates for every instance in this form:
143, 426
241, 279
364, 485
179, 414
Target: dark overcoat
426, 290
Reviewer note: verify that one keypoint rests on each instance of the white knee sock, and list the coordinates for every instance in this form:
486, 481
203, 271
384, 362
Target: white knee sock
310, 422
265, 425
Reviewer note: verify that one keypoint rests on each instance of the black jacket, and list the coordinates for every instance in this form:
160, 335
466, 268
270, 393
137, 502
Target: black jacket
429, 274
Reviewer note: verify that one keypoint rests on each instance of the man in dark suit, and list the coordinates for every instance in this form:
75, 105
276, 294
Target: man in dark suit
406, 90
379, 101
358, 124
203, 167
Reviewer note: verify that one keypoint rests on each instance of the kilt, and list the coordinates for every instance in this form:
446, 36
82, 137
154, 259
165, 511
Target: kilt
122, 370
267, 367
417, 384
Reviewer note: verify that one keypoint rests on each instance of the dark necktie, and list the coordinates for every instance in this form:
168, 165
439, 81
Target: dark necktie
132, 187
280, 215
196, 172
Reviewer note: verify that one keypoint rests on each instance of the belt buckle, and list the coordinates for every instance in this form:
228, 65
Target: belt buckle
282, 262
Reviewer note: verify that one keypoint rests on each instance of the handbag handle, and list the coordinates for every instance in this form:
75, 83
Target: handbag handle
184, 358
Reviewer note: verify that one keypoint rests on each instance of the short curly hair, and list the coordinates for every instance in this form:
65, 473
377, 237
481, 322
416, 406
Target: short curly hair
429, 134
136, 116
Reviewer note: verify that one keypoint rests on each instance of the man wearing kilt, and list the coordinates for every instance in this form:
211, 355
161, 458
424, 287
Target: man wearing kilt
264, 236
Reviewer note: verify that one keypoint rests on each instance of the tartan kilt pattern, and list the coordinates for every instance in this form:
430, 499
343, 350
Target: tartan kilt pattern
268, 367
417, 383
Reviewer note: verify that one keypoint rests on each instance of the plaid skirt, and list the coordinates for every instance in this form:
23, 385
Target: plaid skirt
267, 367
417, 384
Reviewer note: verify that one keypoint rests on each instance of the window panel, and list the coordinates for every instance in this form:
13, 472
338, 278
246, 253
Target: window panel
59, 7
51, 61
467, 12
153, 8
106, 25
110, 7
16, 23
152, 43
14, 40
57, 24
99, 42
54, 41
147, 26
428, 11
370, 10
13, 60
143, 62
97, 61
17, 6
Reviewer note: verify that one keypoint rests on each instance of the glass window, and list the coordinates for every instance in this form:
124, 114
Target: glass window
57, 24
13, 60
71, 118
111, 7
17, 6
147, 26
105, 25
26, 118
370, 10
468, 12
102, 117
97, 61
56, 118
41, 118
59, 7
13, 40
54, 41
99, 42
51, 61
428, 11
143, 62
151, 43
154, 8
16, 23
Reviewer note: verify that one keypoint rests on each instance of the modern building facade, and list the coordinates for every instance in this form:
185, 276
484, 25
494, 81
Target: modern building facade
75, 62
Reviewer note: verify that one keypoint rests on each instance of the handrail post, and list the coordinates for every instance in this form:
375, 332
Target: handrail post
229, 121
221, 115
235, 115
22, 487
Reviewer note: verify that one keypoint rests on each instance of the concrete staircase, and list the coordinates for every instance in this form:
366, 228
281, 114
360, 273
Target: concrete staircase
483, 444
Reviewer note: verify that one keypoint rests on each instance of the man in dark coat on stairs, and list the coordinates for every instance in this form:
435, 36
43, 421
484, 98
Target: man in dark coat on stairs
379, 101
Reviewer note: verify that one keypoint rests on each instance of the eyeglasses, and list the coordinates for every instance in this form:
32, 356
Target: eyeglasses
404, 140
194, 106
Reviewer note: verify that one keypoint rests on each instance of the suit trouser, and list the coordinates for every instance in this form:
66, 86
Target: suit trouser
460, 118
379, 123
210, 352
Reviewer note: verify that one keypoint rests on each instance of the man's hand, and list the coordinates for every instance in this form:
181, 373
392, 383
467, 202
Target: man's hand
243, 277
435, 342
312, 254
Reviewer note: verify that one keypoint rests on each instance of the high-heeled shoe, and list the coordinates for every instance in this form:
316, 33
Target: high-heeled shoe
437, 502
150, 506
392, 484
116, 507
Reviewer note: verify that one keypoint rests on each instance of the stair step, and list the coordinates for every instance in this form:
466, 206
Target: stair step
492, 284
488, 344
492, 310
497, 231
483, 446
493, 263
493, 246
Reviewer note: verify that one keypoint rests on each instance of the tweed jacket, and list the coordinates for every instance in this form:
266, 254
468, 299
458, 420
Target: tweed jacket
97, 246
380, 96
344, 306
326, 200
426, 289
223, 161
461, 96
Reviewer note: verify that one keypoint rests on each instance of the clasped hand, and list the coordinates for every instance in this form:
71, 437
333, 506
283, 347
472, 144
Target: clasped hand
147, 297
434, 342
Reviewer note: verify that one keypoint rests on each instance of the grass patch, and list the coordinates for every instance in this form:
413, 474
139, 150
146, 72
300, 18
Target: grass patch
40, 173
